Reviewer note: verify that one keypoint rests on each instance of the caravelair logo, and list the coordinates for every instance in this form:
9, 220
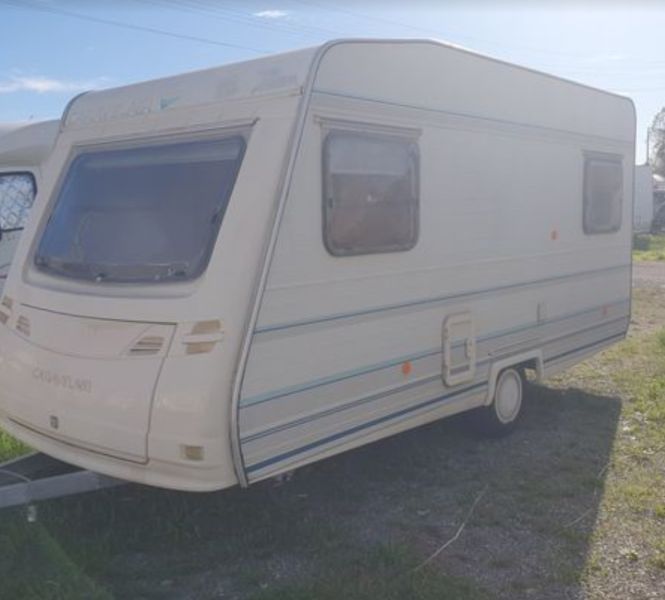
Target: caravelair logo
63, 381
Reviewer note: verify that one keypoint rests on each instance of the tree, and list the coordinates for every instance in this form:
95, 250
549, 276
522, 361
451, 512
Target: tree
656, 143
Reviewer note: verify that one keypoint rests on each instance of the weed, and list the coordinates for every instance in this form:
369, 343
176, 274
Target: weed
649, 247
10, 447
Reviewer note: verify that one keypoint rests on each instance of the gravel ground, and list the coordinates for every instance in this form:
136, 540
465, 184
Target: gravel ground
648, 274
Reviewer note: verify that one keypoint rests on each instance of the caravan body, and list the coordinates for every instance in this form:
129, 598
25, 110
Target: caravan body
23, 148
239, 271
643, 209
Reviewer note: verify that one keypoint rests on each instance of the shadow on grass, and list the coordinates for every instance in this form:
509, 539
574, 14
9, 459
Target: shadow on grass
354, 526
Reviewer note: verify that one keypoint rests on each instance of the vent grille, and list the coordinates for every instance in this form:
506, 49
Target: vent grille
147, 345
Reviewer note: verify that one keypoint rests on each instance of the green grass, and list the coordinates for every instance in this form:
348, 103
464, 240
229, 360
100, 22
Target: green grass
634, 495
33, 566
649, 247
10, 447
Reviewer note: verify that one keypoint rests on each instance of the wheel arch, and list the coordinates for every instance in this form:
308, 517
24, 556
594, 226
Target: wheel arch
533, 359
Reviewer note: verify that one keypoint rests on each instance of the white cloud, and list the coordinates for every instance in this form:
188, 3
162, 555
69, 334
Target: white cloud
48, 85
270, 14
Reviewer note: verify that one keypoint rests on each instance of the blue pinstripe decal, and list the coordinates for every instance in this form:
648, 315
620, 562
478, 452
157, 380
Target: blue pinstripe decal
348, 405
355, 429
403, 387
458, 296
294, 389
585, 347
402, 412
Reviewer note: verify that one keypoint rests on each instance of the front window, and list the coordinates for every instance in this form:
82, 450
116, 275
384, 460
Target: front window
17, 193
141, 214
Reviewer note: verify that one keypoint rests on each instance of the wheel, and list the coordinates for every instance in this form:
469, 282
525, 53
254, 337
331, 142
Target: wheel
501, 416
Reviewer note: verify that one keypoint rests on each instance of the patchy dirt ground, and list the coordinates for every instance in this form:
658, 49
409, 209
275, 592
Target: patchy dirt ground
571, 506
649, 274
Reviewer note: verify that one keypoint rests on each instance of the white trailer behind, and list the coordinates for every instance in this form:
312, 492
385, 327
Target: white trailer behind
643, 211
23, 148
236, 272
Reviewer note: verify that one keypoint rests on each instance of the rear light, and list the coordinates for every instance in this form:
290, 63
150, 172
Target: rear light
23, 325
192, 452
6, 309
203, 337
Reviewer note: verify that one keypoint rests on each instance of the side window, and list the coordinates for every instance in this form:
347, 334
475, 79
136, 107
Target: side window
370, 193
603, 191
17, 193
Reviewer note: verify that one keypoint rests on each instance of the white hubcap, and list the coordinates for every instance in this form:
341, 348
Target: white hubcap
508, 396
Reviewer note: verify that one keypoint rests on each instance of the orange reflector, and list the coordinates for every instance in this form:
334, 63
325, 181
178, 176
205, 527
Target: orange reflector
406, 367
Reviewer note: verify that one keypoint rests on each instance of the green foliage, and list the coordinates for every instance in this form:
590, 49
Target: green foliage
657, 142
649, 247
10, 447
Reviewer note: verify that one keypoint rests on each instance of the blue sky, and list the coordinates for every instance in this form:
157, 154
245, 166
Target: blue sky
52, 49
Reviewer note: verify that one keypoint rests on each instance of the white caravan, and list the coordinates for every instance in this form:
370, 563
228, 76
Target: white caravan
23, 148
643, 208
235, 272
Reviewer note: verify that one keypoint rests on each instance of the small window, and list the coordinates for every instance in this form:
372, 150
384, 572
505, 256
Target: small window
603, 191
370, 193
17, 193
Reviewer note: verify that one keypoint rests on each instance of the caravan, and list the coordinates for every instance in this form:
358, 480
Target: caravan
235, 272
23, 148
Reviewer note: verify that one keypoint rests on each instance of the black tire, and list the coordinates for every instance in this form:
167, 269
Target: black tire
501, 416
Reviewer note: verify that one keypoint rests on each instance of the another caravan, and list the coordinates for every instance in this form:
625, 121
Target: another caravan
232, 273
23, 148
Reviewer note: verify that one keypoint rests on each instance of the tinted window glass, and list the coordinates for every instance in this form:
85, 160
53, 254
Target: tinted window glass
370, 193
17, 193
141, 214
603, 191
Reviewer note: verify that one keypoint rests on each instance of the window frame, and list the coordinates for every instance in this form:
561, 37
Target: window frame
409, 138
32, 177
600, 157
78, 151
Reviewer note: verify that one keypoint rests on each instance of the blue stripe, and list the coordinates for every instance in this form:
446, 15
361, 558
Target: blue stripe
458, 296
403, 387
585, 347
402, 412
331, 411
357, 428
294, 389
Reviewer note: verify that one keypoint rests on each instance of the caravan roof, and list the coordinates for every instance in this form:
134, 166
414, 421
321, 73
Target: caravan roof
289, 73
27, 144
